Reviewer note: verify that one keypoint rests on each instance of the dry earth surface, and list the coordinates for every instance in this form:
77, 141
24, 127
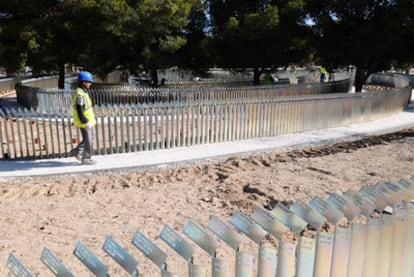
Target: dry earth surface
57, 211
4, 92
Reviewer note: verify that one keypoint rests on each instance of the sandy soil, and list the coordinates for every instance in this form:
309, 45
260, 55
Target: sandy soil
56, 212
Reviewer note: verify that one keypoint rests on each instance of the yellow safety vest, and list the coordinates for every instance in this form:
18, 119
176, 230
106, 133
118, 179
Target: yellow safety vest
89, 114
323, 71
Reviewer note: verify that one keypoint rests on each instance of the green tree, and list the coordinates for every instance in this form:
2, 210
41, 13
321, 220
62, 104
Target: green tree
18, 36
96, 34
195, 54
47, 34
53, 41
155, 32
368, 34
241, 33
258, 34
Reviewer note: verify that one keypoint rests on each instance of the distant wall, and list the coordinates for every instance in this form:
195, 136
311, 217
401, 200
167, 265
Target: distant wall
390, 80
7, 83
41, 82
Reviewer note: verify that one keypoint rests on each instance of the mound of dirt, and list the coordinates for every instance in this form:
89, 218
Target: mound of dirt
56, 212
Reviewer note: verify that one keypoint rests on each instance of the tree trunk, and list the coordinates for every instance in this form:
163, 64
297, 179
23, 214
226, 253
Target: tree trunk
154, 77
256, 76
361, 75
61, 80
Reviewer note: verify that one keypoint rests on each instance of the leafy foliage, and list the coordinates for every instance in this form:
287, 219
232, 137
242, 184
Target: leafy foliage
366, 33
256, 34
101, 35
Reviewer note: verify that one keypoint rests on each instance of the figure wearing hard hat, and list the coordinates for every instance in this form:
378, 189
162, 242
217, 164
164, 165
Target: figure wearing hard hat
84, 118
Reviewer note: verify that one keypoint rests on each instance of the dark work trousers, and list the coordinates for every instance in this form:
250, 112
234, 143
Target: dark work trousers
85, 146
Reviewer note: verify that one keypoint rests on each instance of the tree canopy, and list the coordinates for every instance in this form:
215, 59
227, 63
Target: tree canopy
101, 35
258, 34
98, 35
372, 35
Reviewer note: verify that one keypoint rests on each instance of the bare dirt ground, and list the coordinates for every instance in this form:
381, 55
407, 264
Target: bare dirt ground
56, 212
5, 92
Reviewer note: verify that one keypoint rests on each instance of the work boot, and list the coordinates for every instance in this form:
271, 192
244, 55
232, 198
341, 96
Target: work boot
88, 162
75, 154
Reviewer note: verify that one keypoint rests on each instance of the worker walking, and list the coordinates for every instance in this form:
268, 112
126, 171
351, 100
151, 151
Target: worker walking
84, 118
268, 79
324, 75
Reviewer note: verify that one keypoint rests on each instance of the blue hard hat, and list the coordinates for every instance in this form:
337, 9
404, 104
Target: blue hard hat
85, 76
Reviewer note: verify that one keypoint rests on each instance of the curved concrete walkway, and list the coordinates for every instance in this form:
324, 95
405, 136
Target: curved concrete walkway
176, 156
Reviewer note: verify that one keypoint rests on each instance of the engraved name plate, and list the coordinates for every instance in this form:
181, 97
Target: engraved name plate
149, 249
373, 243
305, 212
407, 183
320, 205
358, 244
324, 250
89, 259
54, 264
269, 222
366, 207
306, 257
284, 215
385, 247
267, 262
392, 197
17, 268
169, 274
369, 194
404, 192
248, 227
341, 252
286, 259
244, 264
400, 211
220, 268
342, 204
399, 240
201, 237
196, 271
393, 187
409, 249
225, 232
121, 256
176, 242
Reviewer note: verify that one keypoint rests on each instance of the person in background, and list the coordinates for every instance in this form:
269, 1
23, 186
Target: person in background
324, 75
125, 77
84, 118
314, 74
268, 79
